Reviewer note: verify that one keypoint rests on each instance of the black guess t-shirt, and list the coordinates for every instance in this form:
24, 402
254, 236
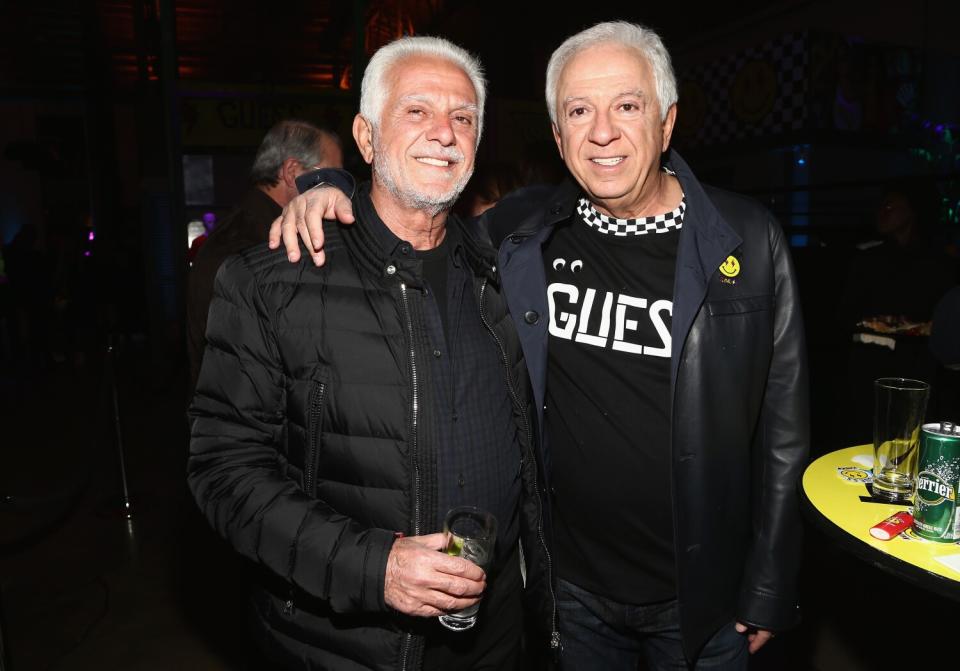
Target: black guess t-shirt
610, 292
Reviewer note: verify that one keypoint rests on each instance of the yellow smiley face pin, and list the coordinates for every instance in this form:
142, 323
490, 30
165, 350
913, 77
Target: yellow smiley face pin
730, 267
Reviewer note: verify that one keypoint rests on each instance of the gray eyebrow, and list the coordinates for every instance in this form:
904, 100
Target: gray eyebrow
470, 107
635, 92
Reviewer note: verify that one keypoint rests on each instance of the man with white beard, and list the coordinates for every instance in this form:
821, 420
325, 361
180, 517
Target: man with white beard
341, 411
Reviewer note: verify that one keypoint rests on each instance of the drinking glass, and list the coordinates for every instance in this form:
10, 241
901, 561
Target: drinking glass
898, 414
471, 534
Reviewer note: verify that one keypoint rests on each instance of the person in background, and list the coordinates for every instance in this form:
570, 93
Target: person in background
537, 172
896, 279
209, 225
289, 149
886, 305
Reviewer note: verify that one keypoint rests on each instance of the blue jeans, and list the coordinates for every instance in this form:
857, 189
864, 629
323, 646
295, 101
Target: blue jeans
601, 634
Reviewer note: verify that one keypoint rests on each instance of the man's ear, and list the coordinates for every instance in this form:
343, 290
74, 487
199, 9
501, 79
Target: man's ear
363, 136
289, 170
667, 126
556, 138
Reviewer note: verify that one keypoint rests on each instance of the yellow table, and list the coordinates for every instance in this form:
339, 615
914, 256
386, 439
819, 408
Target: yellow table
845, 510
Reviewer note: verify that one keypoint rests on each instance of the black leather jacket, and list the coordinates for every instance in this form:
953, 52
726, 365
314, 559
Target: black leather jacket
305, 453
739, 421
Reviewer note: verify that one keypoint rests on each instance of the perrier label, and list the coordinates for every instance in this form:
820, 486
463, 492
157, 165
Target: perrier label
935, 502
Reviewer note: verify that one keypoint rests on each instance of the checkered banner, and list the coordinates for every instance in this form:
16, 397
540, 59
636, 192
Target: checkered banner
759, 91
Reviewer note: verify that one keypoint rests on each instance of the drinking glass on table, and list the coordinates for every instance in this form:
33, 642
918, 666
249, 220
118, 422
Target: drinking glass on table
471, 534
898, 414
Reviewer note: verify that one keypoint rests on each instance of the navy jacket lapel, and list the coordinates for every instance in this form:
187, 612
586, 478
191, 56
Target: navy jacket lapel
525, 283
705, 242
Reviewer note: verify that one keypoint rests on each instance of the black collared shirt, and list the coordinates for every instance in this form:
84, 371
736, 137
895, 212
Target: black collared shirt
478, 454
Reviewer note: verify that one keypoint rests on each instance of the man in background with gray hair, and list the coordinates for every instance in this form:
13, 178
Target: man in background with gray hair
342, 411
661, 327
289, 149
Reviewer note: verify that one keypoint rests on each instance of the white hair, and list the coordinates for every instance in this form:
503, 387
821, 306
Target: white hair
631, 35
376, 84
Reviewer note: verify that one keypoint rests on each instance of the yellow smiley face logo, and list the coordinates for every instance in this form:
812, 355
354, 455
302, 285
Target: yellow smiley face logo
730, 267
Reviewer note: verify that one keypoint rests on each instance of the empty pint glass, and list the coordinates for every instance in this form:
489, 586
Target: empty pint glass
471, 534
898, 414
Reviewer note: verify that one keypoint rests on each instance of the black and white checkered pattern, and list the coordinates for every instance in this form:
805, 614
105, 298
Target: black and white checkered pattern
661, 223
787, 55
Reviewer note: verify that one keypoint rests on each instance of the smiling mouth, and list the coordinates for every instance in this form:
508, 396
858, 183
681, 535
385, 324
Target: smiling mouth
613, 160
437, 162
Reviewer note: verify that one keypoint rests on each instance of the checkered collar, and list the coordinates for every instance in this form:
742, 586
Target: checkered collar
661, 223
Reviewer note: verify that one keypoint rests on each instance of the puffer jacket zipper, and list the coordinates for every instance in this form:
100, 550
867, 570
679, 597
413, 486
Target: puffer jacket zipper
313, 424
555, 633
414, 413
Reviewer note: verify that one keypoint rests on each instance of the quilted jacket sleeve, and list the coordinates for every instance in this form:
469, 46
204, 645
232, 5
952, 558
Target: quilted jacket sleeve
236, 473
768, 597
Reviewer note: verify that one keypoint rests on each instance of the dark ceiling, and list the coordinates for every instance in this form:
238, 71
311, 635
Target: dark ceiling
50, 47
55, 47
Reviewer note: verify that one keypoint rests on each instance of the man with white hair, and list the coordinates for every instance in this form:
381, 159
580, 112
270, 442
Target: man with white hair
660, 324
341, 411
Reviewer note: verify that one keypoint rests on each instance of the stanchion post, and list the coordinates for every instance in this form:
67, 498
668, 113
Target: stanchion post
112, 381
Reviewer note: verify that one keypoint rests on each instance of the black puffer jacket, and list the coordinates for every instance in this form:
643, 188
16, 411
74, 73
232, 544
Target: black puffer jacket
305, 451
